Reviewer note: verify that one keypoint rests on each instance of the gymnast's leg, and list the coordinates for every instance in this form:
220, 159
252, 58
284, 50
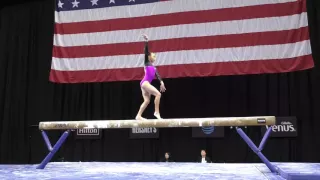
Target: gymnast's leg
146, 101
152, 90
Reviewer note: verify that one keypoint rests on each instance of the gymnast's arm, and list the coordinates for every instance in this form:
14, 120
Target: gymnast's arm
146, 53
159, 77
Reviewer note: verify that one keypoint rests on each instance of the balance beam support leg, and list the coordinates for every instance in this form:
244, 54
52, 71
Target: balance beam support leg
46, 140
265, 138
258, 150
55, 148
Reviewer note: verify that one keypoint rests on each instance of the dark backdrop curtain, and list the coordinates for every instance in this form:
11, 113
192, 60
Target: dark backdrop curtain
27, 97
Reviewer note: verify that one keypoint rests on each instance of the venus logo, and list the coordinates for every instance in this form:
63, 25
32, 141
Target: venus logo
208, 130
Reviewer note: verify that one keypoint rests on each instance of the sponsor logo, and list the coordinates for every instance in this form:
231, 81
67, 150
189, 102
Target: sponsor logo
284, 127
144, 130
261, 120
208, 130
141, 133
88, 132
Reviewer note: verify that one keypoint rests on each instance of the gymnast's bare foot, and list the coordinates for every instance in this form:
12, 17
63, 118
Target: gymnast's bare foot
140, 118
157, 115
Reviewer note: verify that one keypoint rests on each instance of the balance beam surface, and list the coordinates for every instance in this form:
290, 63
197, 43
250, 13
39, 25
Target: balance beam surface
163, 123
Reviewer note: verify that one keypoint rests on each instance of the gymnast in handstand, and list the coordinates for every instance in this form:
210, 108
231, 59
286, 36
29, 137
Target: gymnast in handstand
145, 84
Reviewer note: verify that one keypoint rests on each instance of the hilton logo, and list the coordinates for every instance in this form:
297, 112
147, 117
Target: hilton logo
88, 134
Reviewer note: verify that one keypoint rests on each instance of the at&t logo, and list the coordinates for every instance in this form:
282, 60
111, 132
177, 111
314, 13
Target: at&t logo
208, 130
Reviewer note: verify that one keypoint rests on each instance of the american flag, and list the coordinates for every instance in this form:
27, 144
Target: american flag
100, 40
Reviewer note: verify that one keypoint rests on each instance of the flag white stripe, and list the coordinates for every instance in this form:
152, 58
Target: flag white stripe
235, 54
159, 8
184, 31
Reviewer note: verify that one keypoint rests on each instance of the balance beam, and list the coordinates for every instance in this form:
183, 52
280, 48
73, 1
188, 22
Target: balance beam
163, 123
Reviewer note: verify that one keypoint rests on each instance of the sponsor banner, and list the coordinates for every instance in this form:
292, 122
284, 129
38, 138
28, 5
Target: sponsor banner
208, 132
88, 133
285, 127
143, 133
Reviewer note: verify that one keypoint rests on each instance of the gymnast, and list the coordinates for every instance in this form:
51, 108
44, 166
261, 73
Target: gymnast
145, 84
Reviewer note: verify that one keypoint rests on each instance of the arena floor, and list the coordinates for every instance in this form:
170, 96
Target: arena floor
155, 171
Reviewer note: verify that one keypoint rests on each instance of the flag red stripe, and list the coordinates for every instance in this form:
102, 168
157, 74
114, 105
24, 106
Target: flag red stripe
223, 41
187, 70
226, 14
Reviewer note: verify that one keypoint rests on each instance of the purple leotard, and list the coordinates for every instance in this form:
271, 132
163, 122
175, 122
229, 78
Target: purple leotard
150, 70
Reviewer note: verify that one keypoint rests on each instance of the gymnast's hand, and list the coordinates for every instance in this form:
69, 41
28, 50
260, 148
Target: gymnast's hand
145, 37
162, 87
